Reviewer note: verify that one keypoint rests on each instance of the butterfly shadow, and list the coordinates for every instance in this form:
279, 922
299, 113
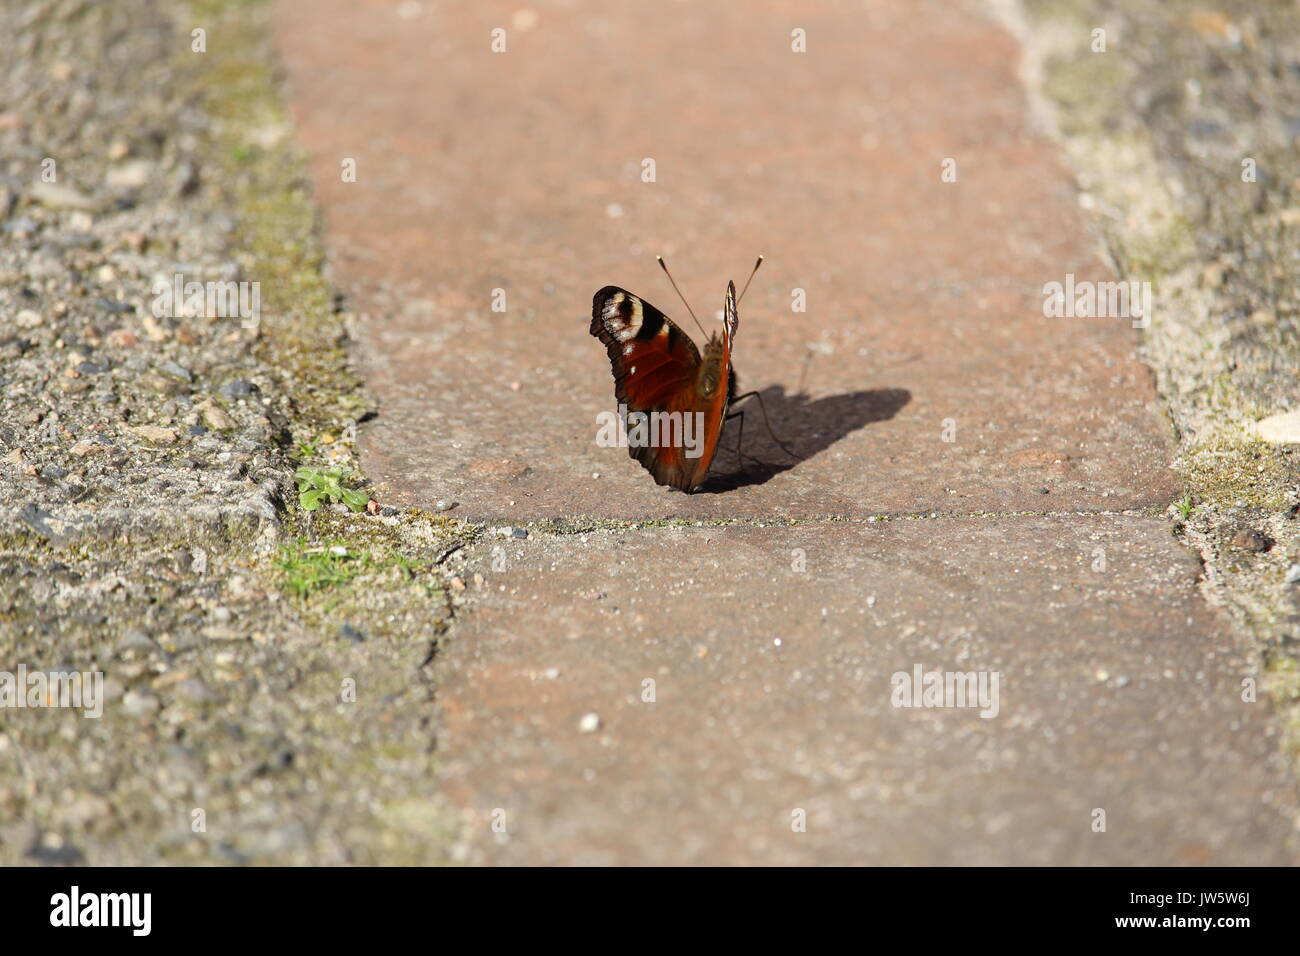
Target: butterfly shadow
805, 425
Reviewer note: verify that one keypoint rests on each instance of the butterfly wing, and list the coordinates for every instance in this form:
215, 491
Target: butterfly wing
716, 406
656, 367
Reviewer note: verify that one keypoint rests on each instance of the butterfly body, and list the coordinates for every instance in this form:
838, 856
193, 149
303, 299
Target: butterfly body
658, 369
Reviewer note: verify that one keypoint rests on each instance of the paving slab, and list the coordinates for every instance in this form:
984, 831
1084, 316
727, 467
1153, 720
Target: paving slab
522, 171
1119, 690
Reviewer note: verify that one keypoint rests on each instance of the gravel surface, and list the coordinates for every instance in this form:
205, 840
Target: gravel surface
265, 681
115, 420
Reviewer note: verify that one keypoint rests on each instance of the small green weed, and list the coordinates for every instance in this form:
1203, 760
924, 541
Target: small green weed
317, 486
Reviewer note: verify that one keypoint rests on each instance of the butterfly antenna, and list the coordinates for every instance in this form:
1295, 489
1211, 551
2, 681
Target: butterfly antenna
749, 280
663, 265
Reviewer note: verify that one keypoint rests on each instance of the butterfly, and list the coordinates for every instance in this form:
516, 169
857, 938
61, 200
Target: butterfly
660, 378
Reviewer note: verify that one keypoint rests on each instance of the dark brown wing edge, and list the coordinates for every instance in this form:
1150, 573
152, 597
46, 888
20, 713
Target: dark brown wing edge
653, 318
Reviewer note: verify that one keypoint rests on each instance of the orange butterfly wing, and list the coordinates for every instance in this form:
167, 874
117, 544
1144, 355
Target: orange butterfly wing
656, 369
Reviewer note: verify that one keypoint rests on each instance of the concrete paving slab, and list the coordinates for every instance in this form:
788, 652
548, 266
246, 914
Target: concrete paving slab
1118, 690
522, 171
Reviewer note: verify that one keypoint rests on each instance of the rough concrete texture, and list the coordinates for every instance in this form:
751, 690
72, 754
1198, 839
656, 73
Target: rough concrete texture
228, 734
119, 413
516, 171
149, 532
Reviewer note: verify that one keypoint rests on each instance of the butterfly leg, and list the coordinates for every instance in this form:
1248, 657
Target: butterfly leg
766, 421
740, 435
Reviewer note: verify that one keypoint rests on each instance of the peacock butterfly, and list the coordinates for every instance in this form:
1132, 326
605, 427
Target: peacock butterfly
672, 401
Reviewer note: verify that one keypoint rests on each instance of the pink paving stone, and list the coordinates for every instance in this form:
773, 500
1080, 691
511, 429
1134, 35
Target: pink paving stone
480, 171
